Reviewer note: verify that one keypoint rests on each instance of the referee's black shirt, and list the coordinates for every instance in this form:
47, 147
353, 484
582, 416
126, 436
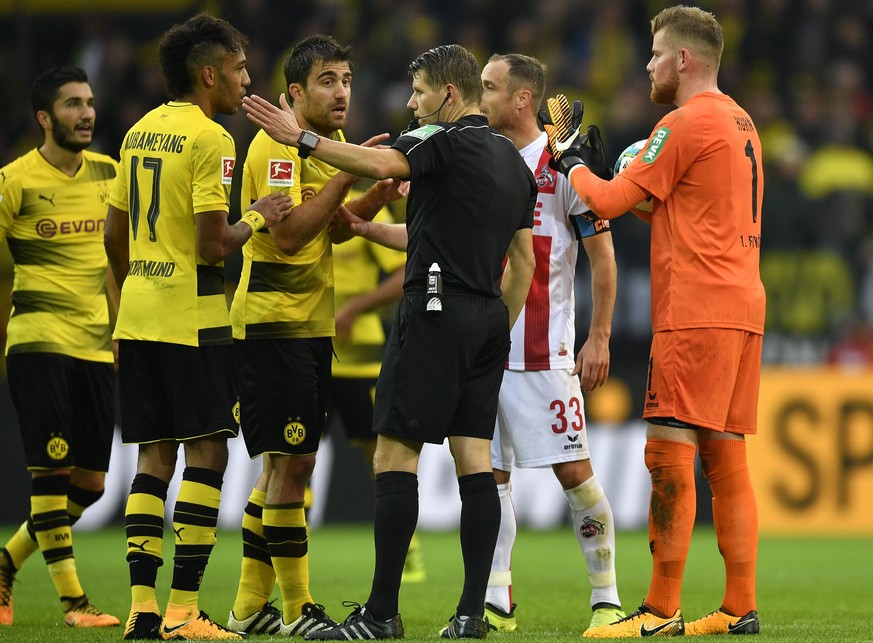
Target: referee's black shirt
470, 192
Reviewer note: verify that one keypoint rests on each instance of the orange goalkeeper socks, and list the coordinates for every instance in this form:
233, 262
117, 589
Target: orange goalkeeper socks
671, 519
735, 515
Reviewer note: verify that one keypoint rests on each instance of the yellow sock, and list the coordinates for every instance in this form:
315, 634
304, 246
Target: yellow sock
144, 527
285, 532
257, 577
195, 519
21, 546
51, 522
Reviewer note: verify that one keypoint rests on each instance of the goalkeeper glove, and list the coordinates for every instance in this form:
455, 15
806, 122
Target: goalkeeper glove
567, 145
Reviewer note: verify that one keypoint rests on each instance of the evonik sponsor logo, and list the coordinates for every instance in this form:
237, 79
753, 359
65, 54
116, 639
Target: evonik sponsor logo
48, 228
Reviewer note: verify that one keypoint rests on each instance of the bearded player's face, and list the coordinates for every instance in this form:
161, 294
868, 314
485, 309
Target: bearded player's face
72, 116
663, 72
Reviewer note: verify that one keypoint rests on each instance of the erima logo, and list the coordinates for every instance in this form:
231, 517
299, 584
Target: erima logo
655, 144
50, 199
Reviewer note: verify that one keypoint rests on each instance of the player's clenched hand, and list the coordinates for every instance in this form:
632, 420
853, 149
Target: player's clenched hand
273, 207
279, 123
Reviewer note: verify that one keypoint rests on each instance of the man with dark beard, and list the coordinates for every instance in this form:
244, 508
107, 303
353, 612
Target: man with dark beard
283, 325
59, 349
701, 168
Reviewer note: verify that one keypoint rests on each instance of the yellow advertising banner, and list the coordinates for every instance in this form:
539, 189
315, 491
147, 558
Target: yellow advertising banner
812, 459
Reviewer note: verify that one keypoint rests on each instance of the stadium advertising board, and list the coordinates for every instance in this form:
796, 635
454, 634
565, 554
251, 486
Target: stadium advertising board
812, 460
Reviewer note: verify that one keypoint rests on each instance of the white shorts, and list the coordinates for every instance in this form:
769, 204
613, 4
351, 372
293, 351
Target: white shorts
540, 420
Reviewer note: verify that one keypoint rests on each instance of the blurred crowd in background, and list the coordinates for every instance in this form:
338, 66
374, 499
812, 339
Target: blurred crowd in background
802, 68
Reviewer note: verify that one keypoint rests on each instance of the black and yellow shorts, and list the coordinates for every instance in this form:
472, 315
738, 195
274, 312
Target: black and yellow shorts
65, 410
284, 387
176, 392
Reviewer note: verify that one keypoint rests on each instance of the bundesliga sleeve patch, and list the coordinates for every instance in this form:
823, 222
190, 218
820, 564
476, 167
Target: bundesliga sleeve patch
424, 132
656, 142
227, 164
280, 173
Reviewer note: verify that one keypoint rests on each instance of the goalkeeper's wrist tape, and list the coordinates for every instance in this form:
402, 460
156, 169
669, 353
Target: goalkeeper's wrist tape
254, 219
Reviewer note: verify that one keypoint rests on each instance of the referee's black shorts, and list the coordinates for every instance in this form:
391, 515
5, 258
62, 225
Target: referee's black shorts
442, 372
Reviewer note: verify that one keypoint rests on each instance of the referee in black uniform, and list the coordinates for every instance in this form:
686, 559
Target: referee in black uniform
470, 205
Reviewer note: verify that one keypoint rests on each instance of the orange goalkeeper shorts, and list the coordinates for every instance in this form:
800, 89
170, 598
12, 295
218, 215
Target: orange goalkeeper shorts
706, 377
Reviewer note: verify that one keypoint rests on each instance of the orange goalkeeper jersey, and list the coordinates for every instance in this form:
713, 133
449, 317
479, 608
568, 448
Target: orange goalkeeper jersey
702, 164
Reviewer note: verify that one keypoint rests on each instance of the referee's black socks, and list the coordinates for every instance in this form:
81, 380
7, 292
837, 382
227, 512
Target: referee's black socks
480, 522
395, 517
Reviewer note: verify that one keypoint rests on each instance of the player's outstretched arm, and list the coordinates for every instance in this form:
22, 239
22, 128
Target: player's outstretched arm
281, 125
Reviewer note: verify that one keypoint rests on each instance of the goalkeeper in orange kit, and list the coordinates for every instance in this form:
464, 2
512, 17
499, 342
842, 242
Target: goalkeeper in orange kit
701, 169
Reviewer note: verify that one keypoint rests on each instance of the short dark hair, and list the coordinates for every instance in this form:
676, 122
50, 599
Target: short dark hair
691, 27
525, 71
451, 64
307, 52
188, 47
48, 84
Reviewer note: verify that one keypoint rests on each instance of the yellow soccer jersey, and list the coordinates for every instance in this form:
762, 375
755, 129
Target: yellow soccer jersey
357, 265
54, 225
175, 164
282, 296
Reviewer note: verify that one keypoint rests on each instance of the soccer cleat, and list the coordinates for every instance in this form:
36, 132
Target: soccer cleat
198, 628
499, 621
640, 623
268, 620
312, 619
720, 622
360, 626
413, 566
605, 616
465, 627
7, 576
142, 626
84, 614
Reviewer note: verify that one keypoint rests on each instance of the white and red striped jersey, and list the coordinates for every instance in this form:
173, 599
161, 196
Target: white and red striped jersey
543, 338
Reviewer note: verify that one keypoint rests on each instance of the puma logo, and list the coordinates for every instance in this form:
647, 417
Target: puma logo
132, 545
50, 199
178, 532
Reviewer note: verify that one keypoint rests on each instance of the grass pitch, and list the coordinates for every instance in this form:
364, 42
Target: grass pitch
809, 589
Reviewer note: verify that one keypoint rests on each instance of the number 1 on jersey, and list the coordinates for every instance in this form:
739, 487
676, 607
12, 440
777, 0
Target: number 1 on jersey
750, 152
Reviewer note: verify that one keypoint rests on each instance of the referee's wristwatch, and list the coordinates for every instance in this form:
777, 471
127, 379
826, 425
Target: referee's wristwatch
306, 143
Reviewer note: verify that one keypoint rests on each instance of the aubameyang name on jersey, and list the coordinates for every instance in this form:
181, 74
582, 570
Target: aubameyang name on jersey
143, 268
155, 142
